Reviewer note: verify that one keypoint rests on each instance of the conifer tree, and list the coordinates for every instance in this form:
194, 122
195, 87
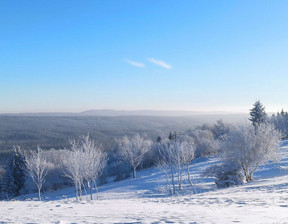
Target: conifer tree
14, 177
258, 114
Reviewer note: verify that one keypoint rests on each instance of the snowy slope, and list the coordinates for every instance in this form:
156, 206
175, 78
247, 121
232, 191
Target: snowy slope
144, 200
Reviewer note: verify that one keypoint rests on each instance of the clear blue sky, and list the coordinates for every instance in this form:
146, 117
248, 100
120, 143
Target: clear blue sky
68, 55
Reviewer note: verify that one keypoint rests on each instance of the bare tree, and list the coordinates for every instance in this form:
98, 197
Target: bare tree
132, 150
36, 166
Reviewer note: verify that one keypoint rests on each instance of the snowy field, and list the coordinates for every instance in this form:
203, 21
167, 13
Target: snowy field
144, 200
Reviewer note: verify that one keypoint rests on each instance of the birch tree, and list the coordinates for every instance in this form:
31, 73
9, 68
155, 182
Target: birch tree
73, 162
95, 159
37, 167
175, 154
83, 164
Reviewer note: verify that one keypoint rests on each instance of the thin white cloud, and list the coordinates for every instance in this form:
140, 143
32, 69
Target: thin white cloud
160, 63
134, 63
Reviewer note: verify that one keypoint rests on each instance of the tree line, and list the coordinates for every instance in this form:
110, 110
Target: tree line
243, 147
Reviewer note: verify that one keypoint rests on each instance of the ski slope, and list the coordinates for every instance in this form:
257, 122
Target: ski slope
144, 200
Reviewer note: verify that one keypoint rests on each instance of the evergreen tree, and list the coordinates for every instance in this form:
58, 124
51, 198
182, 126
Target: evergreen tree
172, 136
14, 177
258, 114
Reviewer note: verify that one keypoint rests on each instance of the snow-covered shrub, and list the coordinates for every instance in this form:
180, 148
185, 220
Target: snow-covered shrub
227, 175
119, 170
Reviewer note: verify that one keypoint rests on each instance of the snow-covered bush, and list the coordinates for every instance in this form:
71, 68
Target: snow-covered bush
119, 170
227, 174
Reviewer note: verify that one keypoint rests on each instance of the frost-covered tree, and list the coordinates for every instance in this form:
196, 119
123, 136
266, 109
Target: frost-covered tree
73, 162
95, 159
280, 120
132, 150
188, 148
84, 162
15, 174
37, 168
249, 147
205, 142
258, 114
167, 163
174, 156
220, 129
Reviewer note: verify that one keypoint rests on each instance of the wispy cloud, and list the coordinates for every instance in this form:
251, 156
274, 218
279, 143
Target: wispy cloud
160, 63
134, 63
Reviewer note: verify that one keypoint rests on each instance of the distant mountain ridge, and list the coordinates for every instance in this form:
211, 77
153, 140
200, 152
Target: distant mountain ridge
115, 113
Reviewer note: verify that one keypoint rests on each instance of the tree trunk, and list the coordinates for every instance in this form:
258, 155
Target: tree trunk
76, 191
39, 193
85, 190
189, 177
179, 177
80, 191
97, 193
173, 182
91, 194
134, 173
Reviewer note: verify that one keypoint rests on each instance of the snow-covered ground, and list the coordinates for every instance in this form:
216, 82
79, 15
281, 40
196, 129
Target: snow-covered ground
143, 200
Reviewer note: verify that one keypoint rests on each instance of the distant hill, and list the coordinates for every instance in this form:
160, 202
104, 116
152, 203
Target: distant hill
114, 113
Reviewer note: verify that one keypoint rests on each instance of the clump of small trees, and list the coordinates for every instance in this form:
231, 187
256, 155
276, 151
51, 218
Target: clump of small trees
175, 155
280, 121
83, 163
